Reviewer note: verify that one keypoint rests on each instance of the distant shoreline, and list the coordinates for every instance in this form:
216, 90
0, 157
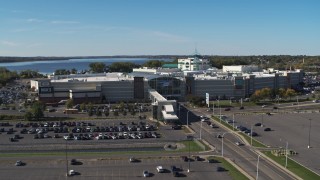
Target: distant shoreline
6, 59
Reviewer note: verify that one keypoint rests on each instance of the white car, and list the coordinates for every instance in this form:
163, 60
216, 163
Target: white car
160, 169
72, 173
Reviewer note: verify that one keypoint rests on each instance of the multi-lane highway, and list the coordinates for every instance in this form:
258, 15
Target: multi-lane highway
244, 156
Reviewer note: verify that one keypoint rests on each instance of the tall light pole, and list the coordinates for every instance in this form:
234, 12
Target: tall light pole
188, 118
222, 137
258, 167
309, 146
251, 133
233, 122
200, 129
219, 109
213, 108
67, 158
286, 155
189, 138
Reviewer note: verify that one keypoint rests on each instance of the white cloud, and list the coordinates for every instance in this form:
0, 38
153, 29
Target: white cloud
64, 22
34, 20
9, 43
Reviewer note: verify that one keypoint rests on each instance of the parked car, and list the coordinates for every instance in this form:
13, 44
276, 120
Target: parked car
72, 172
132, 160
160, 169
220, 169
257, 124
18, 163
239, 143
267, 129
146, 174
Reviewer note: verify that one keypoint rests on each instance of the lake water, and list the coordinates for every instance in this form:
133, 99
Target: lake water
48, 67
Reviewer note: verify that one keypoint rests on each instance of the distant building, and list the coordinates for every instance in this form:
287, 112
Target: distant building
195, 63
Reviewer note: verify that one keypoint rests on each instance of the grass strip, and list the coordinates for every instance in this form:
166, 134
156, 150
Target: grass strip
232, 171
293, 166
194, 147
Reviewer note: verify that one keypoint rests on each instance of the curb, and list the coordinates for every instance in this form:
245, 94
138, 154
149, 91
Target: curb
239, 168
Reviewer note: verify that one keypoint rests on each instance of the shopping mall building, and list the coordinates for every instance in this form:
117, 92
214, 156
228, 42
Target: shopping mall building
164, 87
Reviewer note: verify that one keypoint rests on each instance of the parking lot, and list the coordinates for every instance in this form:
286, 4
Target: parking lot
293, 128
101, 133
115, 168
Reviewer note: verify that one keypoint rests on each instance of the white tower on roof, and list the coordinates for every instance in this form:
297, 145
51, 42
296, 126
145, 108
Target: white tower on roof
194, 63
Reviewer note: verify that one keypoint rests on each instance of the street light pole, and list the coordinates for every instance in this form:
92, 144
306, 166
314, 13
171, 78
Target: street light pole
67, 158
200, 129
258, 167
251, 133
219, 109
286, 155
189, 138
188, 118
213, 108
309, 146
222, 143
233, 122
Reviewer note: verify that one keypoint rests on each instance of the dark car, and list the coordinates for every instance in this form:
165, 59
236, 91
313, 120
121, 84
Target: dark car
267, 129
227, 109
219, 136
73, 162
184, 158
241, 107
176, 127
197, 158
176, 174
257, 124
213, 161
220, 169
174, 168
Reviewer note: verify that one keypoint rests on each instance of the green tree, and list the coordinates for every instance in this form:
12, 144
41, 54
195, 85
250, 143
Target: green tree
133, 113
124, 113
98, 113
69, 103
106, 112
290, 93
83, 106
115, 113
153, 63
37, 110
74, 71
122, 67
97, 67
28, 116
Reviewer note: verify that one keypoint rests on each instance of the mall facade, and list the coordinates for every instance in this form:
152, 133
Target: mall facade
171, 84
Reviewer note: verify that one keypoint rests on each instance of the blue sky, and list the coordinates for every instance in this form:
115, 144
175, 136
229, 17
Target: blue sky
159, 27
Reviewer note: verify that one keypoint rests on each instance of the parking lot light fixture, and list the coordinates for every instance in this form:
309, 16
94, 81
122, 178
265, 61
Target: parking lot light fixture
188, 118
67, 158
233, 122
251, 133
189, 138
309, 145
258, 167
286, 155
